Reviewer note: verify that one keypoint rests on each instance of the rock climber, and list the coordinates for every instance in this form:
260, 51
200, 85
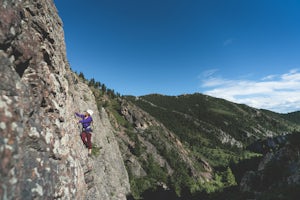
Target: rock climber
86, 134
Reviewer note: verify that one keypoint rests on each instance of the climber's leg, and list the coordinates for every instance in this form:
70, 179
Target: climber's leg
83, 136
89, 140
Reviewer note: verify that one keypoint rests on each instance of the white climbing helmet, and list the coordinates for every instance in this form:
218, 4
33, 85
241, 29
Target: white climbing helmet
89, 111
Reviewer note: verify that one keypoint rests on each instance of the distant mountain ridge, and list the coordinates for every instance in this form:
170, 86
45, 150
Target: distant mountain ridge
201, 120
293, 117
217, 131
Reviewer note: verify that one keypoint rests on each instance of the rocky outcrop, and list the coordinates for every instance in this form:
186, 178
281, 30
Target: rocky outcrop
42, 156
134, 115
278, 172
156, 140
269, 144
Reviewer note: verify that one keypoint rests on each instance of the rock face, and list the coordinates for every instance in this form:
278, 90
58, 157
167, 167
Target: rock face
153, 135
278, 172
42, 156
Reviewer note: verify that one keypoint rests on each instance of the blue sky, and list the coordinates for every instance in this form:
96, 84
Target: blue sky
245, 51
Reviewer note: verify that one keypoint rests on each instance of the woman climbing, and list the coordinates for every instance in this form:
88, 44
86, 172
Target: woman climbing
86, 120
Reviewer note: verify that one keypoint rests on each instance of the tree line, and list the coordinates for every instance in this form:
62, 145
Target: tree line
98, 85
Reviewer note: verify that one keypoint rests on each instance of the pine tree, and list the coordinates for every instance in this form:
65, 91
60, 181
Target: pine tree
229, 178
81, 75
103, 88
92, 82
97, 85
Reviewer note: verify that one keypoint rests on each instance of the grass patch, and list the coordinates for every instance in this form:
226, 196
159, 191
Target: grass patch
96, 150
222, 112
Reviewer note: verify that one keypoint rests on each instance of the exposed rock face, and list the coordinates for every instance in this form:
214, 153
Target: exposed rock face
153, 135
278, 171
42, 156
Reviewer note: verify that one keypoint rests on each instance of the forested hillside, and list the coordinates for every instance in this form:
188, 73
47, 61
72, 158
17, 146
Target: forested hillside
190, 145
215, 128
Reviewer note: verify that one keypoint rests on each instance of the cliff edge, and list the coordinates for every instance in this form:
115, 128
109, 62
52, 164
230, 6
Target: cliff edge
42, 155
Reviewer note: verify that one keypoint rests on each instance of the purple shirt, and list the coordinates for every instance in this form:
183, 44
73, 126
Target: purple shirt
86, 122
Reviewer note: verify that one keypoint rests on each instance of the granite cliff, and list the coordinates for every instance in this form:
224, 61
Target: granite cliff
42, 156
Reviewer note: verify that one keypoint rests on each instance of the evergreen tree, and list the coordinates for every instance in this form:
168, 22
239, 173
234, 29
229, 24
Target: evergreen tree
103, 88
229, 178
97, 85
81, 75
92, 82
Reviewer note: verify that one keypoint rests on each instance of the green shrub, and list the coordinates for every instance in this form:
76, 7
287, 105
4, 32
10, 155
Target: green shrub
96, 150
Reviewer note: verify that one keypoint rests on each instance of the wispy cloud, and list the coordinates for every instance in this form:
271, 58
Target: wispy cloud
269, 77
211, 79
208, 73
227, 42
279, 93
